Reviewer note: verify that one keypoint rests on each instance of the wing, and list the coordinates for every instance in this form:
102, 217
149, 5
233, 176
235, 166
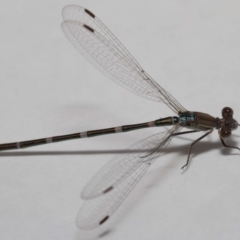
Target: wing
101, 48
106, 191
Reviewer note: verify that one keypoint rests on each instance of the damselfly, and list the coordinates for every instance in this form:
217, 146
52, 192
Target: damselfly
106, 191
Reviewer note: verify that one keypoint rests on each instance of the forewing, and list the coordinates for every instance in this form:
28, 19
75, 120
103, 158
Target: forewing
101, 48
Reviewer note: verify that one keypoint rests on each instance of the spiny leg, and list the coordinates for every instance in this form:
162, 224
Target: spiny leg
224, 144
171, 135
186, 132
190, 148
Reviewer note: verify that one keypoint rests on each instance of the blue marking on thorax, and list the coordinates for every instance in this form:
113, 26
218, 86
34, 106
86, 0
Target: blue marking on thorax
189, 117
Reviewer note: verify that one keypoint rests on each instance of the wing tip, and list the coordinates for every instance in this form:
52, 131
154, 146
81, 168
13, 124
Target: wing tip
73, 8
65, 9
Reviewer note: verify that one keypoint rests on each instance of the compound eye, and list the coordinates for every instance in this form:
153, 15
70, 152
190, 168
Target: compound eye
225, 132
227, 112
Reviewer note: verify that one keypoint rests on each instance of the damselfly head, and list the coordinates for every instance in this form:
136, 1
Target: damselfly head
227, 112
228, 123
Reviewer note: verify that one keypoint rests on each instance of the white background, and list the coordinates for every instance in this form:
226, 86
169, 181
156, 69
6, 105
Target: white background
47, 88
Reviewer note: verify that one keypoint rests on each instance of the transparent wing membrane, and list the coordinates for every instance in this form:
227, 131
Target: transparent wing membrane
101, 48
110, 186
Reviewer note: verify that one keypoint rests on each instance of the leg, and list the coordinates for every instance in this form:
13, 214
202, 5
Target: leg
190, 148
186, 132
224, 144
171, 135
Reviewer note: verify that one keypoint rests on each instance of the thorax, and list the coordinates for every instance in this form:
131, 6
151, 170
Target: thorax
197, 120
